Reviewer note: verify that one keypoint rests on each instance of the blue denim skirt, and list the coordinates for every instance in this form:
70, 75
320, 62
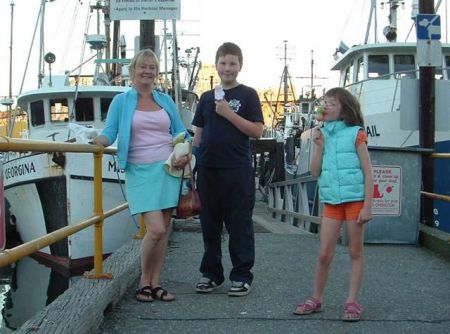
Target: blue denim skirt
150, 188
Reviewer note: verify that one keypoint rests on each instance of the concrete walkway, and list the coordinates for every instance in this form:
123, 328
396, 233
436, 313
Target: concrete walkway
406, 289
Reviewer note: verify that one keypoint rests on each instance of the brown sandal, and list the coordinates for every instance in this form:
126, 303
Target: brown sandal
144, 294
162, 294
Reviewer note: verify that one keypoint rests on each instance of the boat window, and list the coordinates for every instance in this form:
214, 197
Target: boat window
37, 113
438, 75
360, 73
104, 105
404, 66
84, 109
447, 66
348, 75
378, 66
59, 110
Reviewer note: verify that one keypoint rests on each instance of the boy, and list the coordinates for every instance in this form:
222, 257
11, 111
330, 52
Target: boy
225, 181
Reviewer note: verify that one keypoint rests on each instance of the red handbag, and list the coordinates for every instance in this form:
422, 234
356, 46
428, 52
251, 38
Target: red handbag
188, 204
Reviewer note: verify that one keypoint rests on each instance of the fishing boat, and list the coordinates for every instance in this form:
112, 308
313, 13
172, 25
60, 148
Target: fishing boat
45, 191
384, 76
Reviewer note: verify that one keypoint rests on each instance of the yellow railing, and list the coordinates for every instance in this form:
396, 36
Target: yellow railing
438, 196
9, 256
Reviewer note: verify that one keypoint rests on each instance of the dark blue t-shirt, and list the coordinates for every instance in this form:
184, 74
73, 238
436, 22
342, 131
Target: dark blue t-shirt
222, 144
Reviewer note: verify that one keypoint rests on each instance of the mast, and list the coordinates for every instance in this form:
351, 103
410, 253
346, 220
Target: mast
312, 77
285, 75
390, 31
373, 7
108, 37
8, 102
175, 68
11, 50
41, 67
285, 82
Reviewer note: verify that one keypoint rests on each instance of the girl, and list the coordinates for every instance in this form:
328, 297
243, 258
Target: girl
342, 163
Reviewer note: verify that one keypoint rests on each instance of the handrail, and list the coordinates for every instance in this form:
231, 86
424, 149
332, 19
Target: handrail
440, 155
12, 255
24, 145
292, 203
434, 195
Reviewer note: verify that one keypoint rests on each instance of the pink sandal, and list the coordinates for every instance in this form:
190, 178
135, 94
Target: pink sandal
312, 305
352, 312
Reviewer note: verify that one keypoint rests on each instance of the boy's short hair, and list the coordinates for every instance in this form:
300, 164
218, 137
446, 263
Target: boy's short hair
229, 48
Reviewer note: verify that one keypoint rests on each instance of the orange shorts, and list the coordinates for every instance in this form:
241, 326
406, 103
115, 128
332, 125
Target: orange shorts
344, 211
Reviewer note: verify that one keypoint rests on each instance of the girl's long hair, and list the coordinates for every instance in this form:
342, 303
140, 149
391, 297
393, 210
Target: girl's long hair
351, 112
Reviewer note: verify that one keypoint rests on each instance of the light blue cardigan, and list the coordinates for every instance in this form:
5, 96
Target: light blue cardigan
120, 119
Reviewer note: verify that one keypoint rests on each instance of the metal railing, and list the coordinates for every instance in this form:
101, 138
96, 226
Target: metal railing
289, 200
434, 195
12, 255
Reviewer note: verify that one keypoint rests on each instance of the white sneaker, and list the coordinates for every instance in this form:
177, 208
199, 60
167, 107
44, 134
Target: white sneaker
206, 285
239, 289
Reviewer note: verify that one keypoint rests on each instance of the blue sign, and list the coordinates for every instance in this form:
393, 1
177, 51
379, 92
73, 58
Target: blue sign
428, 26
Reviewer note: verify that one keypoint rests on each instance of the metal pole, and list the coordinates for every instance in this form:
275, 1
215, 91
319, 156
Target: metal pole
10, 113
175, 70
427, 125
98, 211
285, 77
312, 75
142, 228
41, 66
108, 38
11, 50
166, 78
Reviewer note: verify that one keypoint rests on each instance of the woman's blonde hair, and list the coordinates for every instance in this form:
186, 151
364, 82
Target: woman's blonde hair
138, 59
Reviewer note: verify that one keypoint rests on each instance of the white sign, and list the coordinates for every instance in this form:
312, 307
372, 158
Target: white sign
144, 9
387, 190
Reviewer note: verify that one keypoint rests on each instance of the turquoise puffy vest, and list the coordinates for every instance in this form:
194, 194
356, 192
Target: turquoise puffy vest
342, 178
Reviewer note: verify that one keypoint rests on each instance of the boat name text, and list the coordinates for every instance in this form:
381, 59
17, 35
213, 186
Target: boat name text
112, 166
372, 131
22, 169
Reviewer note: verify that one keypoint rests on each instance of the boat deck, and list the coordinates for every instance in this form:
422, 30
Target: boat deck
406, 290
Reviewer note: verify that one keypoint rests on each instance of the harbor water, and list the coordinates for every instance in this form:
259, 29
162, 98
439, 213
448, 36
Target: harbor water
26, 287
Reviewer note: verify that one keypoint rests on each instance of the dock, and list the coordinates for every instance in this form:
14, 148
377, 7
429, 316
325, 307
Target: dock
405, 290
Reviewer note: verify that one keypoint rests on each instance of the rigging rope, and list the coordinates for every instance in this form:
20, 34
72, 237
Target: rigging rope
70, 34
347, 20
31, 48
83, 48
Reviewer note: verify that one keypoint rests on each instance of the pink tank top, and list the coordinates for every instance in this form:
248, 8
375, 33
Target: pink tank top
151, 140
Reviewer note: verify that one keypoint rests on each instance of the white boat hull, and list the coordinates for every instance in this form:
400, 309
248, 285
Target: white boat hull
44, 196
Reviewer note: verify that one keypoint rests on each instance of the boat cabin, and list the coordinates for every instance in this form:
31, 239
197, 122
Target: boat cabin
385, 61
52, 107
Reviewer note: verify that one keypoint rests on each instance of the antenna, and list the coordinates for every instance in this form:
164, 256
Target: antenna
285, 81
390, 31
312, 76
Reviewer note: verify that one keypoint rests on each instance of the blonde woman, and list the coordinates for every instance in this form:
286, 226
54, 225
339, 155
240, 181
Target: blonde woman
144, 121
